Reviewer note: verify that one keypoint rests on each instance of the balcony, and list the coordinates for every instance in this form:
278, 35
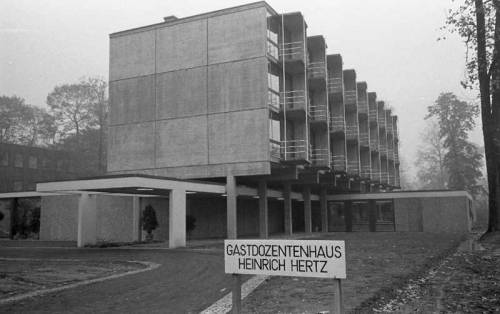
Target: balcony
350, 97
293, 150
352, 167
390, 153
320, 157
373, 145
337, 123
381, 121
372, 115
364, 139
338, 162
318, 113
362, 107
351, 132
316, 70
383, 149
392, 180
294, 100
396, 156
335, 85
365, 171
292, 51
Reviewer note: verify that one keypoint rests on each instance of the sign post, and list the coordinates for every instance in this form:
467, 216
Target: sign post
297, 258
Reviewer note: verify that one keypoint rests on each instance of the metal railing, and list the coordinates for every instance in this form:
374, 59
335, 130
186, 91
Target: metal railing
350, 97
318, 112
366, 171
320, 157
338, 162
351, 132
293, 150
316, 69
364, 139
382, 148
372, 115
335, 85
292, 50
374, 145
362, 107
337, 123
381, 121
352, 167
294, 100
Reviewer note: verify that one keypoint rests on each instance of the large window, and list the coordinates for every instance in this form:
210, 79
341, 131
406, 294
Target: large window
275, 137
18, 161
273, 26
360, 216
33, 162
336, 216
4, 159
385, 216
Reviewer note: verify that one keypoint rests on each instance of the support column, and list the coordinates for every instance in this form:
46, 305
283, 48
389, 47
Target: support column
231, 212
87, 220
307, 209
324, 210
136, 219
177, 218
263, 210
287, 199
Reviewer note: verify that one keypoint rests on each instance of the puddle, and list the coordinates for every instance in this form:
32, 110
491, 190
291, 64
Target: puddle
470, 245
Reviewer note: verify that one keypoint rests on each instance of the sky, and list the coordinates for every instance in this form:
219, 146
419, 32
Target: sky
392, 45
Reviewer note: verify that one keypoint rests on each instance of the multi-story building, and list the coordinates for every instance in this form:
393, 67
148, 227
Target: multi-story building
243, 92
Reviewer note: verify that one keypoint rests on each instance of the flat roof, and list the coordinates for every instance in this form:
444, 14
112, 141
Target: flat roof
197, 17
131, 184
399, 194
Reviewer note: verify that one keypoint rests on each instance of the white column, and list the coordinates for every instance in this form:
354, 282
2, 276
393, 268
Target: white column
87, 220
177, 218
136, 219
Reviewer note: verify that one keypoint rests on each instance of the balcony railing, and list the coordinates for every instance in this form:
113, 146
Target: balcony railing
338, 162
351, 132
335, 85
365, 171
320, 157
318, 112
316, 70
374, 145
362, 107
392, 180
350, 97
381, 121
390, 153
364, 139
337, 123
352, 167
382, 149
293, 150
294, 100
292, 51
372, 115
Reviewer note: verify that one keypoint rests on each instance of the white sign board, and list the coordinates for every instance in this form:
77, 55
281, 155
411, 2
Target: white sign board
299, 258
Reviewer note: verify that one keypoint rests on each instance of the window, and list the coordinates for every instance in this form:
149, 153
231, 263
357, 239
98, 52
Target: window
273, 82
33, 162
18, 186
275, 137
18, 161
4, 159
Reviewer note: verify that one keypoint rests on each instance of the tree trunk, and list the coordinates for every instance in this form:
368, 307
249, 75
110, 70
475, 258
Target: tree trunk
486, 113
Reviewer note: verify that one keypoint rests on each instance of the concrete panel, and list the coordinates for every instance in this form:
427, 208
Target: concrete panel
59, 218
237, 36
237, 86
114, 218
182, 142
408, 214
132, 55
131, 146
181, 46
445, 215
182, 93
227, 131
132, 100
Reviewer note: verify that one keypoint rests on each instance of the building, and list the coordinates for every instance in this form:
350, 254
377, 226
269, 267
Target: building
240, 119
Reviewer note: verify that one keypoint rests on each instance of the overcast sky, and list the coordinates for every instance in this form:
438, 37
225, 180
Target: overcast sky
391, 44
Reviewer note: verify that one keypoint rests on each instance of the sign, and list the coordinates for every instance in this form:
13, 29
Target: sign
299, 258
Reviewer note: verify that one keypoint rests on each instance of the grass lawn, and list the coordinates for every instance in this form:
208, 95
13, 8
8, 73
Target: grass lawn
377, 265
19, 276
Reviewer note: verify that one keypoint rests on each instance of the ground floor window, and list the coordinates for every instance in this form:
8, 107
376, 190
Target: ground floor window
384, 216
336, 216
360, 216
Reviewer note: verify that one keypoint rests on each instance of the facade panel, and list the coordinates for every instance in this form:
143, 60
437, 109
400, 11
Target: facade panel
132, 100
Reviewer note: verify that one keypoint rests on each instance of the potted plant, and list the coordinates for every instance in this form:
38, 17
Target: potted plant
149, 222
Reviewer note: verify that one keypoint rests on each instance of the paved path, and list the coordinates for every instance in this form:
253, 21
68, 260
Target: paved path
167, 289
